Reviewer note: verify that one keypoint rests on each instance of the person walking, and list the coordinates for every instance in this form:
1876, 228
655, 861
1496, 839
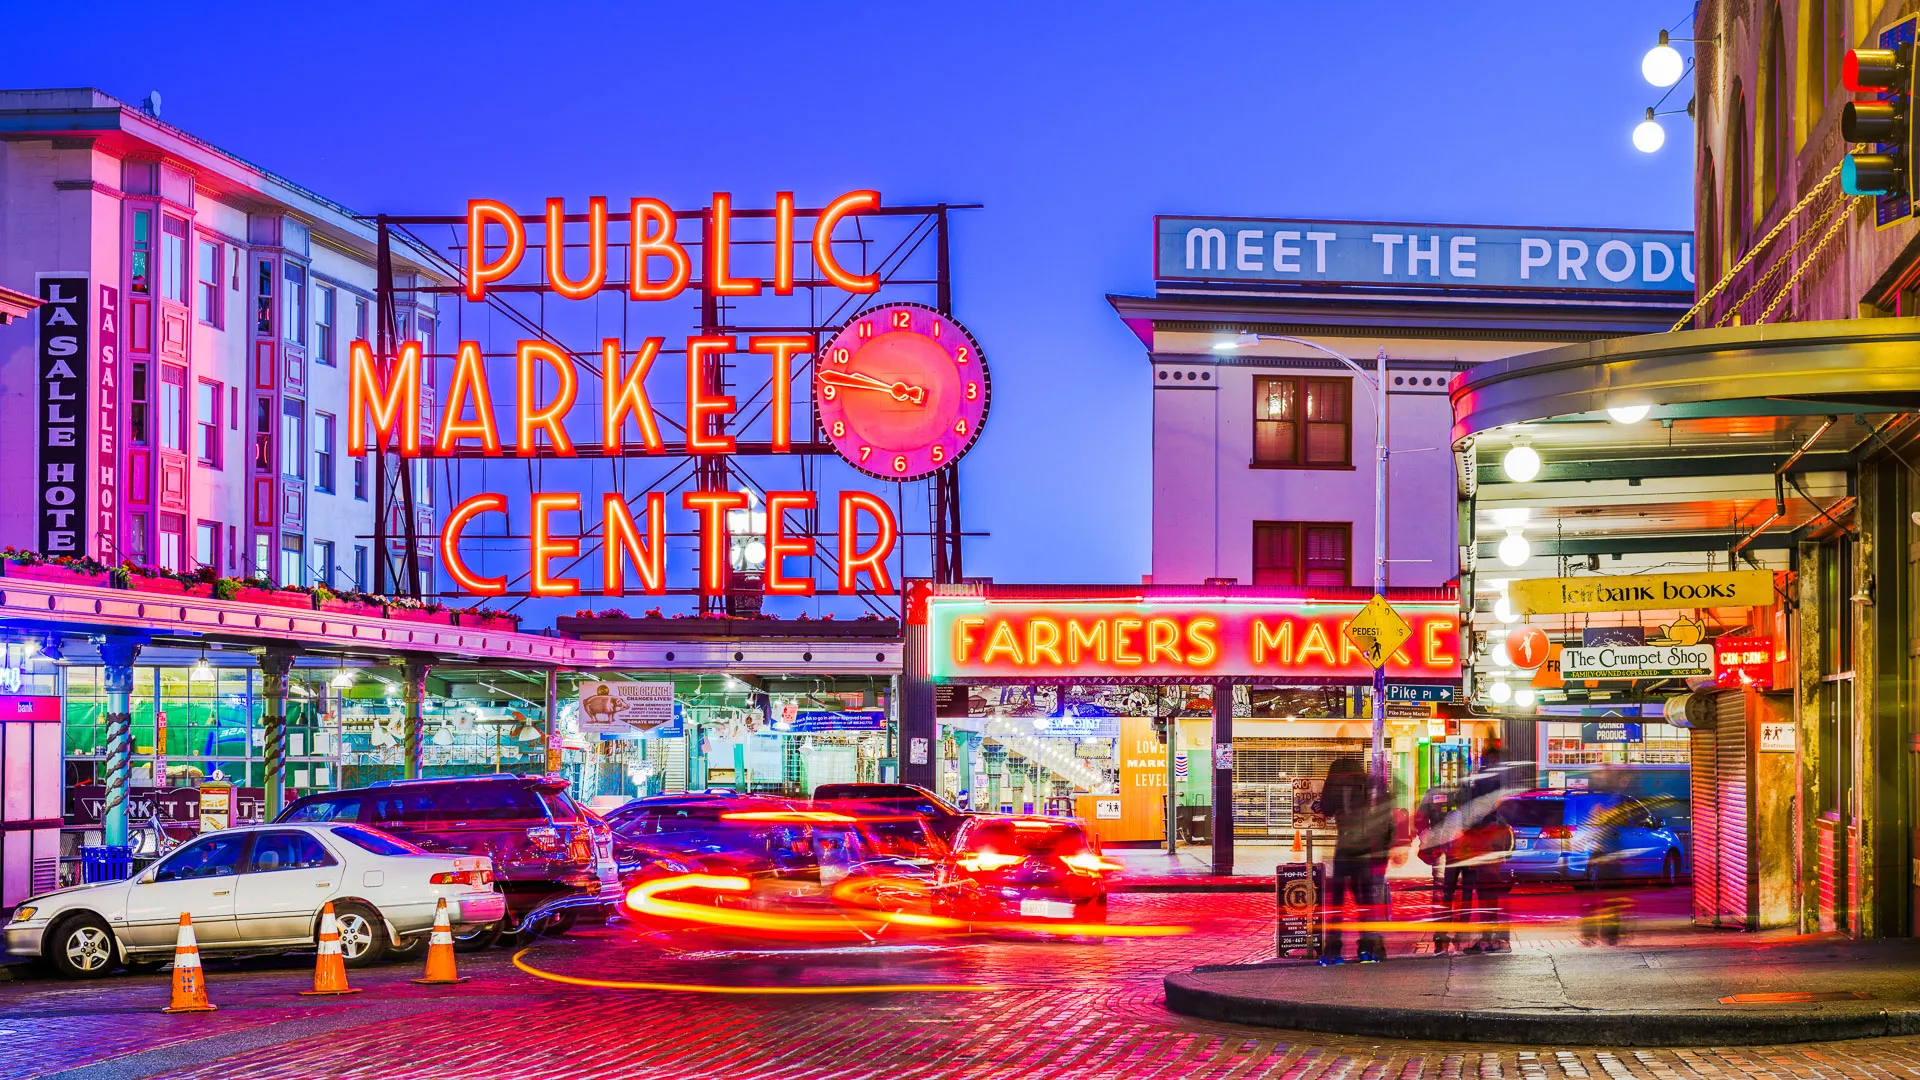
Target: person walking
1363, 833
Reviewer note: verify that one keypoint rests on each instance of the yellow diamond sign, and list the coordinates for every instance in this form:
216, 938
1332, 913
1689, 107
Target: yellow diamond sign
1378, 630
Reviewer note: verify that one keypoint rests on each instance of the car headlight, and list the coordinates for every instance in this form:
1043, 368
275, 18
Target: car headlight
23, 914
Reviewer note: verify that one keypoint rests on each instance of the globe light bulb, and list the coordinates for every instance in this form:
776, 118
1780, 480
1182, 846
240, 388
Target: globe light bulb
1500, 692
1503, 611
1629, 414
1663, 65
1521, 464
1648, 135
1523, 697
1514, 550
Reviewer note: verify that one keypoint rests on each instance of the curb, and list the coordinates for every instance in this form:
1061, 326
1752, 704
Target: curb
1251, 885
1703, 1028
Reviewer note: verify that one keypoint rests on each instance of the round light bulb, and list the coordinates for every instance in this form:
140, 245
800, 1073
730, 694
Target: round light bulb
1521, 464
1503, 610
1500, 692
1514, 550
756, 553
1629, 414
1523, 697
1663, 65
1648, 135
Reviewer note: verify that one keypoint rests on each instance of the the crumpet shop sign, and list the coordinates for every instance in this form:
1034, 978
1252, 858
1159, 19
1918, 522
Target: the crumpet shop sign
1642, 592
1636, 661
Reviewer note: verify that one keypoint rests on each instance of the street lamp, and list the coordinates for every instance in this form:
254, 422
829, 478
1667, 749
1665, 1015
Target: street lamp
1648, 135
1663, 65
1376, 384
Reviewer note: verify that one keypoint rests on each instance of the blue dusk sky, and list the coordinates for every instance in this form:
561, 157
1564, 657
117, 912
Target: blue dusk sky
1073, 123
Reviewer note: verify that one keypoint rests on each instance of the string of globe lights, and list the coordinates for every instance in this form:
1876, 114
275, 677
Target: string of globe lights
1042, 751
1663, 66
1521, 464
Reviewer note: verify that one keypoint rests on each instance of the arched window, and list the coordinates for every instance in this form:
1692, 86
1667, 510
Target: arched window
1822, 41
1776, 115
1739, 219
1706, 243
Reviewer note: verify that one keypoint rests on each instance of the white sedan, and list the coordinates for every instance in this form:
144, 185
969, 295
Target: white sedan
259, 889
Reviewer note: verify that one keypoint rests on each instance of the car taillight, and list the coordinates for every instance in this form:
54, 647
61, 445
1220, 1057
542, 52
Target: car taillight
544, 837
1557, 832
463, 877
978, 861
581, 850
1088, 863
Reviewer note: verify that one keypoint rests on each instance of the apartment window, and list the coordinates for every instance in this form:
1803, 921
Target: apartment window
173, 407
1302, 422
326, 304
293, 563
172, 534
173, 258
323, 562
1776, 118
207, 417
211, 262
423, 483
1301, 553
293, 430
362, 320
293, 305
136, 539
324, 430
1824, 30
142, 252
263, 303
206, 545
360, 580
262, 550
139, 397
360, 478
263, 435
426, 348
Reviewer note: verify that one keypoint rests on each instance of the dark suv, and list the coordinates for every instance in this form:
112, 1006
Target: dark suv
544, 845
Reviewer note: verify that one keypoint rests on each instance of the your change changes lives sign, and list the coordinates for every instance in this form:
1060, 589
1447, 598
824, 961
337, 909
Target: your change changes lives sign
619, 708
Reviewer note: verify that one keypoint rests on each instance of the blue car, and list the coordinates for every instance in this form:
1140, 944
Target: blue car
1589, 838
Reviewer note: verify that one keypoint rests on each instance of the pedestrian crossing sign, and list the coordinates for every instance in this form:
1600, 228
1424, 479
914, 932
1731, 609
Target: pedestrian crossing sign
1378, 630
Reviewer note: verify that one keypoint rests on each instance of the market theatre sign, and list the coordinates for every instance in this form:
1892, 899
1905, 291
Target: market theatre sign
1288, 640
1642, 592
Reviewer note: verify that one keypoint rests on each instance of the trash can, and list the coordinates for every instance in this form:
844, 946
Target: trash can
105, 864
1195, 823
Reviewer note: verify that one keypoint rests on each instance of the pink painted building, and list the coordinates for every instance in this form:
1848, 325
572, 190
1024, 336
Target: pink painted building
179, 397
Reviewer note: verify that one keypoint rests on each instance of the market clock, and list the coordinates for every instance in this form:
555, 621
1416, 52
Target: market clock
901, 391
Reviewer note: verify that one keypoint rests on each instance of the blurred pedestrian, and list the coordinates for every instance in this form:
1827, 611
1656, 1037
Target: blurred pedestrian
1363, 837
1484, 847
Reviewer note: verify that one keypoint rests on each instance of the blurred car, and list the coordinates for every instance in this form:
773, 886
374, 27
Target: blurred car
259, 889
1031, 867
943, 816
544, 846
1589, 837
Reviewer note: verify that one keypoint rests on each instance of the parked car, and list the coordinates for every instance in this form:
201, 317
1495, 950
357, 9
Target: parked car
1589, 837
543, 845
943, 816
259, 889
1031, 867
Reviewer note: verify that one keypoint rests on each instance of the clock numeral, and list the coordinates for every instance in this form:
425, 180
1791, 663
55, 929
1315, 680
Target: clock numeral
939, 453
960, 355
841, 356
902, 319
866, 452
839, 429
973, 390
900, 463
829, 391
866, 328
960, 426
933, 328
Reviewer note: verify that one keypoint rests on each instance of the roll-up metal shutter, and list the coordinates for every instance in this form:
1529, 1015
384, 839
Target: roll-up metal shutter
1706, 818
1734, 905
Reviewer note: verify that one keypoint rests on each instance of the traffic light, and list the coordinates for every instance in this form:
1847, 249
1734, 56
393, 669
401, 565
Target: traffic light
1883, 169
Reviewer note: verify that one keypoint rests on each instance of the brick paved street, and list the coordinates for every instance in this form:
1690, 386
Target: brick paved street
1056, 1009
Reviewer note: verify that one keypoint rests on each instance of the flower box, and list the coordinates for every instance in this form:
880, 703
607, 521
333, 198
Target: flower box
352, 607
168, 586
489, 620
250, 594
58, 575
420, 615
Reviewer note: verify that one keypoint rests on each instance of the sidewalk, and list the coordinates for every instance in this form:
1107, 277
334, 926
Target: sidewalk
1711, 991
1191, 869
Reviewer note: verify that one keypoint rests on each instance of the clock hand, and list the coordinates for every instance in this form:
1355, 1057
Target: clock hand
855, 380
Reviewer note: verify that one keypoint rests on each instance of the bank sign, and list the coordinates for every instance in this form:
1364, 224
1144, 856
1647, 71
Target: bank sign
1268, 250
1168, 639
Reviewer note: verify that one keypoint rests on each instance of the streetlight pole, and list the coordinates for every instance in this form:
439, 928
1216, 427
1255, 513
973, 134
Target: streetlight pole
1376, 384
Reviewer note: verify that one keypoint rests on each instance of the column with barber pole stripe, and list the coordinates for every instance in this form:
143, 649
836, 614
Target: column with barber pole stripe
275, 666
117, 655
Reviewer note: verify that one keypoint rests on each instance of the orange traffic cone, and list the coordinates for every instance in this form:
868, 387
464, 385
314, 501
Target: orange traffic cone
1297, 849
330, 973
189, 982
440, 962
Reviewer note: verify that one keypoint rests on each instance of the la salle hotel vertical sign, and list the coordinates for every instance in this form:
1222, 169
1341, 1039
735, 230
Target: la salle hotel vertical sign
60, 372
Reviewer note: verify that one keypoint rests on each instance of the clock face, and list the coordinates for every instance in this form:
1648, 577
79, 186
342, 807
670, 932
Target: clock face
901, 392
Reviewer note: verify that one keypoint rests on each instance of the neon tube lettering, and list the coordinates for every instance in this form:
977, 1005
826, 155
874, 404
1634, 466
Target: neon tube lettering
551, 417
